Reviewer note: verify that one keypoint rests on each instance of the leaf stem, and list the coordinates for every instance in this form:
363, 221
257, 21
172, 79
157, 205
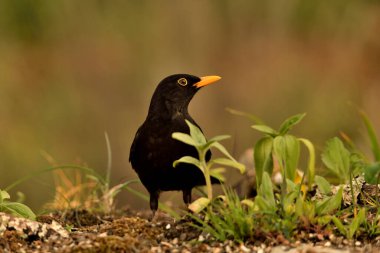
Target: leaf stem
377, 191
352, 193
206, 170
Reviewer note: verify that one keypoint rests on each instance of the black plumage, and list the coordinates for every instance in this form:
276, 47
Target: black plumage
153, 150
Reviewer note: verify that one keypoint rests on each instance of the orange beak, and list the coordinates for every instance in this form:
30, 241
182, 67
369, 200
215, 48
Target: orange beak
206, 80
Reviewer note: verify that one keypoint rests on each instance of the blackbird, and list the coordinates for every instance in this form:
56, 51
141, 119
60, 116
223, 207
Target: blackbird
153, 150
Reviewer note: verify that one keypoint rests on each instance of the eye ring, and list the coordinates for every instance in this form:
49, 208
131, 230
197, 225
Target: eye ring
182, 81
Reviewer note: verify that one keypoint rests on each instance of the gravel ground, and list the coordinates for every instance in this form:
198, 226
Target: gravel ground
81, 231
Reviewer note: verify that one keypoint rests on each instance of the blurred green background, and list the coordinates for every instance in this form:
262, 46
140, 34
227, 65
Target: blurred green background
71, 70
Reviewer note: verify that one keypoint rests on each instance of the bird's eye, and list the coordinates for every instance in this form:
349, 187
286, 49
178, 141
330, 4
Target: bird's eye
182, 81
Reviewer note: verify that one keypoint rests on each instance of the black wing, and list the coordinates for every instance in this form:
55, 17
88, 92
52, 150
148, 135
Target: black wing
132, 152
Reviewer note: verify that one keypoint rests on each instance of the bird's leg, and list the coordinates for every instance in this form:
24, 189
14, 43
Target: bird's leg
153, 202
187, 196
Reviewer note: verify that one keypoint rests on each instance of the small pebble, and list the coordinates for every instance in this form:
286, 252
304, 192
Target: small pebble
327, 244
103, 234
320, 237
175, 241
244, 248
358, 243
201, 238
168, 226
167, 244
183, 236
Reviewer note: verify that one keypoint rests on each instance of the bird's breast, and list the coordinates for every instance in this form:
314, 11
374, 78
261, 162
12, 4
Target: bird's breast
157, 146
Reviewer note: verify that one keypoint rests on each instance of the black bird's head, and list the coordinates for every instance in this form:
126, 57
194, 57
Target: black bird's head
174, 93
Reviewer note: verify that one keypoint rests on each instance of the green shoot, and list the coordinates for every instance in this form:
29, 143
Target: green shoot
228, 218
14, 208
285, 148
372, 136
251, 117
197, 140
352, 228
337, 159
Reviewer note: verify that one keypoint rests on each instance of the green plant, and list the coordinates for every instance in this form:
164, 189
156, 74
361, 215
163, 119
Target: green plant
372, 226
336, 158
79, 186
346, 164
285, 148
198, 140
352, 226
293, 209
372, 170
265, 199
84, 188
107, 194
227, 218
375, 146
15, 208
362, 164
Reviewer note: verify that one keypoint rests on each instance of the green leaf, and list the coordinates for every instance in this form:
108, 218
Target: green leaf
266, 192
222, 149
4, 195
305, 208
264, 205
252, 117
248, 203
230, 163
18, 209
219, 138
287, 150
323, 185
265, 129
356, 222
263, 158
337, 159
311, 162
335, 202
299, 207
222, 198
213, 140
196, 133
93, 178
371, 173
372, 135
20, 197
199, 204
189, 160
289, 200
290, 122
339, 225
218, 174
330, 204
291, 185
185, 138
323, 220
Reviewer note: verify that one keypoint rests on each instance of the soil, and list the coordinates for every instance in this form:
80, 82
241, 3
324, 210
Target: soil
82, 231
